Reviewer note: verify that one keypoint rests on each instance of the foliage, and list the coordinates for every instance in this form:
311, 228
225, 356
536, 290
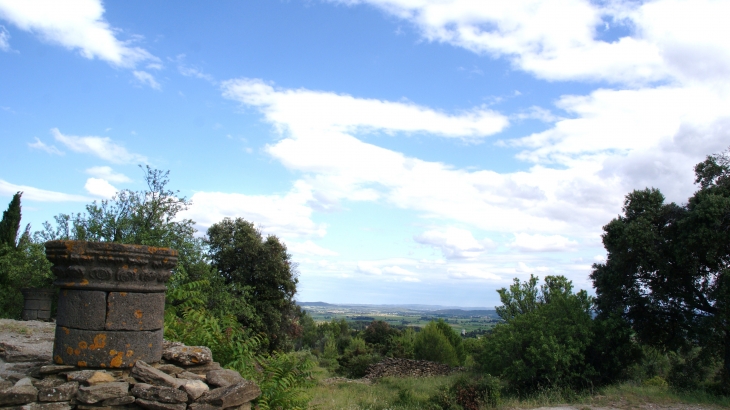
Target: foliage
668, 266
468, 393
544, 340
261, 272
10, 224
403, 345
432, 344
357, 358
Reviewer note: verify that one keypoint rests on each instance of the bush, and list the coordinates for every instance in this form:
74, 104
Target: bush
356, 359
431, 344
468, 393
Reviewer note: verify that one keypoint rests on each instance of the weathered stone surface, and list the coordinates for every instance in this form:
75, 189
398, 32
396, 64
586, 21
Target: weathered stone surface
81, 309
21, 393
204, 368
110, 349
41, 406
17, 371
407, 368
99, 392
194, 388
159, 393
4, 384
135, 311
203, 406
62, 392
146, 373
118, 401
170, 369
26, 341
49, 381
234, 395
100, 377
55, 368
110, 266
191, 376
188, 355
80, 375
223, 378
156, 405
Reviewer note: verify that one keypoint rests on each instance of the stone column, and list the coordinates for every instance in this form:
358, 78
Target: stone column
111, 303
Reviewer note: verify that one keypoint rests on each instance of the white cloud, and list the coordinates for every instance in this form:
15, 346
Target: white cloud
522, 267
455, 243
4, 39
392, 272
51, 149
145, 78
100, 187
542, 243
287, 215
102, 147
41, 195
369, 268
76, 25
108, 174
309, 248
302, 111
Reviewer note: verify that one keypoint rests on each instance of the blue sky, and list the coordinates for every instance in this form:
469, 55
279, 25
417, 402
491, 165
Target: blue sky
406, 151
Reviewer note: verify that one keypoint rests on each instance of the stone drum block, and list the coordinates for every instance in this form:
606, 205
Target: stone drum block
106, 349
82, 309
135, 311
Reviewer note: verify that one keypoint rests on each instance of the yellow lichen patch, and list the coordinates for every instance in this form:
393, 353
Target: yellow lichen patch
70, 284
83, 345
138, 314
99, 342
123, 293
112, 352
150, 345
117, 360
194, 359
58, 359
69, 350
81, 363
77, 351
130, 353
84, 282
103, 365
65, 330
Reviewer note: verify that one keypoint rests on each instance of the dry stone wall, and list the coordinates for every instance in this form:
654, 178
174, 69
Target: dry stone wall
392, 367
187, 378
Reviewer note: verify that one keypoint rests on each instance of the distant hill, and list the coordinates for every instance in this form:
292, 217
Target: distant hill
464, 313
432, 309
314, 304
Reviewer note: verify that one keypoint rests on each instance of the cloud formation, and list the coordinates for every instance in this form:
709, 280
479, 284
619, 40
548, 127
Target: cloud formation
36, 194
76, 25
102, 147
40, 145
454, 243
100, 187
107, 173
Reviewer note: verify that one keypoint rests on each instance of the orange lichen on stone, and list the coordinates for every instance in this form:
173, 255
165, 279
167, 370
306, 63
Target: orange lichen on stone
103, 365
83, 345
81, 364
112, 352
138, 314
65, 330
77, 351
84, 282
130, 353
58, 359
117, 360
99, 341
69, 350
194, 359
123, 293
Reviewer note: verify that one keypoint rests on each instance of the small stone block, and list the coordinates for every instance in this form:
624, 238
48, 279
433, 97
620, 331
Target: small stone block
135, 311
223, 378
170, 369
106, 349
81, 309
118, 401
159, 393
188, 355
146, 373
100, 392
156, 405
191, 376
54, 368
63, 392
234, 395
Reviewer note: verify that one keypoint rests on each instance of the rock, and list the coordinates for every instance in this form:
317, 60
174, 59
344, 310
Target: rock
156, 405
170, 369
203, 369
159, 393
42, 406
203, 406
188, 355
223, 378
82, 309
118, 401
20, 370
100, 377
21, 393
30, 341
4, 384
49, 381
191, 376
107, 348
146, 373
407, 368
54, 368
62, 392
99, 392
135, 311
195, 388
234, 395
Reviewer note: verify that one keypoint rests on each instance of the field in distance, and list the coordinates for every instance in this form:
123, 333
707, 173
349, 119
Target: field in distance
463, 320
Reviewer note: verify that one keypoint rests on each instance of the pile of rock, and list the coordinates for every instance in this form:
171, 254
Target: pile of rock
187, 379
392, 367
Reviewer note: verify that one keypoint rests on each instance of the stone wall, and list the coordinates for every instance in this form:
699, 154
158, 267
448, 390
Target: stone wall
186, 378
392, 367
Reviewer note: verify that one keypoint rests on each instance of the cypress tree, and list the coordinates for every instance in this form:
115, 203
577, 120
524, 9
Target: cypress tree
10, 224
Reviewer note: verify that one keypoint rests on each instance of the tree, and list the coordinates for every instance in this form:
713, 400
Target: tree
261, 272
668, 266
431, 344
10, 224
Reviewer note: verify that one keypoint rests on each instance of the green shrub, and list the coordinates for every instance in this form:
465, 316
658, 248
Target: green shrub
468, 393
656, 381
431, 344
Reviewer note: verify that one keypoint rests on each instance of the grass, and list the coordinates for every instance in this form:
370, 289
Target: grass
15, 327
413, 393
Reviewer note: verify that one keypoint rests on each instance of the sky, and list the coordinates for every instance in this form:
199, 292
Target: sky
405, 151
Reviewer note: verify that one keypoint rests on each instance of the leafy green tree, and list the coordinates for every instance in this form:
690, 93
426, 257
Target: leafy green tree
454, 340
21, 266
668, 266
432, 344
261, 272
10, 224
